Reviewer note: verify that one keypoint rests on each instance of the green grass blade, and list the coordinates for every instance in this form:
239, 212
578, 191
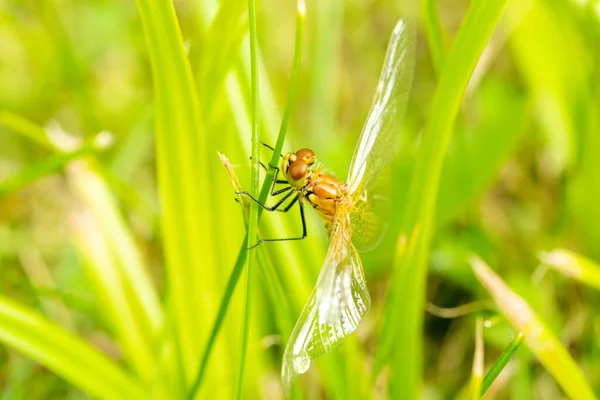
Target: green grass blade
501, 362
264, 192
51, 300
434, 34
538, 337
68, 356
55, 22
116, 266
245, 329
181, 159
110, 290
276, 294
325, 58
43, 168
403, 320
559, 88
224, 305
39, 135
26, 128
480, 152
573, 265
287, 113
477, 370
131, 303
254, 182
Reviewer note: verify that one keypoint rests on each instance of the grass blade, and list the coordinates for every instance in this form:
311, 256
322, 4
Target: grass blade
131, 302
43, 168
26, 128
224, 305
285, 120
264, 192
55, 162
110, 288
252, 235
245, 327
70, 357
477, 370
542, 342
403, 321
327, 31
501, 362
573, 265
434, 34
181, 158
481, 151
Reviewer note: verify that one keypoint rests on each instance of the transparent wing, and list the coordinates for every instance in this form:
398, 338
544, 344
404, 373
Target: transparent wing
379, 136
372, 210
336, 306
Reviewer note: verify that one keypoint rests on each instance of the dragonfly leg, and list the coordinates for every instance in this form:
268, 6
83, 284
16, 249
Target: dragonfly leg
261, 164
278, 192
276, 205
275, 180
291, 203
273, 192
304, 233
270, 147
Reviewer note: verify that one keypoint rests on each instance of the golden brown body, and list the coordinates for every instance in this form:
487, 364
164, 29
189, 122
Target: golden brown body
323, 191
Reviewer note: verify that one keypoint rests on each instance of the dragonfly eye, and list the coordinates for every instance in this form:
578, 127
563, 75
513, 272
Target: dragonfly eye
298, 169
307, 155
287, 161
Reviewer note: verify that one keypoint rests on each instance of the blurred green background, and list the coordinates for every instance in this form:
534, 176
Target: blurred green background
99, 242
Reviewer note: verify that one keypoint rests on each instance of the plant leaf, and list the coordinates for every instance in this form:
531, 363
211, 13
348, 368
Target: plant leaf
65, 354
542, 342
401, 336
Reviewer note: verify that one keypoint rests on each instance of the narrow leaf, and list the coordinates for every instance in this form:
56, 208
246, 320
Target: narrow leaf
542, 342
182, 157
70, 357
573, 265
501, 362
264, 192
401, 335
477, 370
434, 34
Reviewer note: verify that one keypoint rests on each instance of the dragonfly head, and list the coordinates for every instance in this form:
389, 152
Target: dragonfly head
296, 166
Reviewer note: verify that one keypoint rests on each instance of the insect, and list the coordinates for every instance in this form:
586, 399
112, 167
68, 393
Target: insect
341, 298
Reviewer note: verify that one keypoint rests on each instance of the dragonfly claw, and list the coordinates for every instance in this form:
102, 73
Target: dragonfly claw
254, 245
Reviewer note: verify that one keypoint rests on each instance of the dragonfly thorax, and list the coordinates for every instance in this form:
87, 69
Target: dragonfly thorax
322, 190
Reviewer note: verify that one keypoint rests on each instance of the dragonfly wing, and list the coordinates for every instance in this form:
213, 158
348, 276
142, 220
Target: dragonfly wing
379, 136
372, 209
336, 306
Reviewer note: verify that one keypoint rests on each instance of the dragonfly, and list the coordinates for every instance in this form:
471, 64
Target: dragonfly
352, 212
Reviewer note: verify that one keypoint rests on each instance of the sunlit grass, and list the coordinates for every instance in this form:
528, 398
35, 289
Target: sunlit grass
536, 334
401, 337
133, 290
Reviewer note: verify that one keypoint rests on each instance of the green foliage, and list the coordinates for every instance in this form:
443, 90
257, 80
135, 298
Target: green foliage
64, 353
407, 287
181, 152
122, 248
542, 342
501, 362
